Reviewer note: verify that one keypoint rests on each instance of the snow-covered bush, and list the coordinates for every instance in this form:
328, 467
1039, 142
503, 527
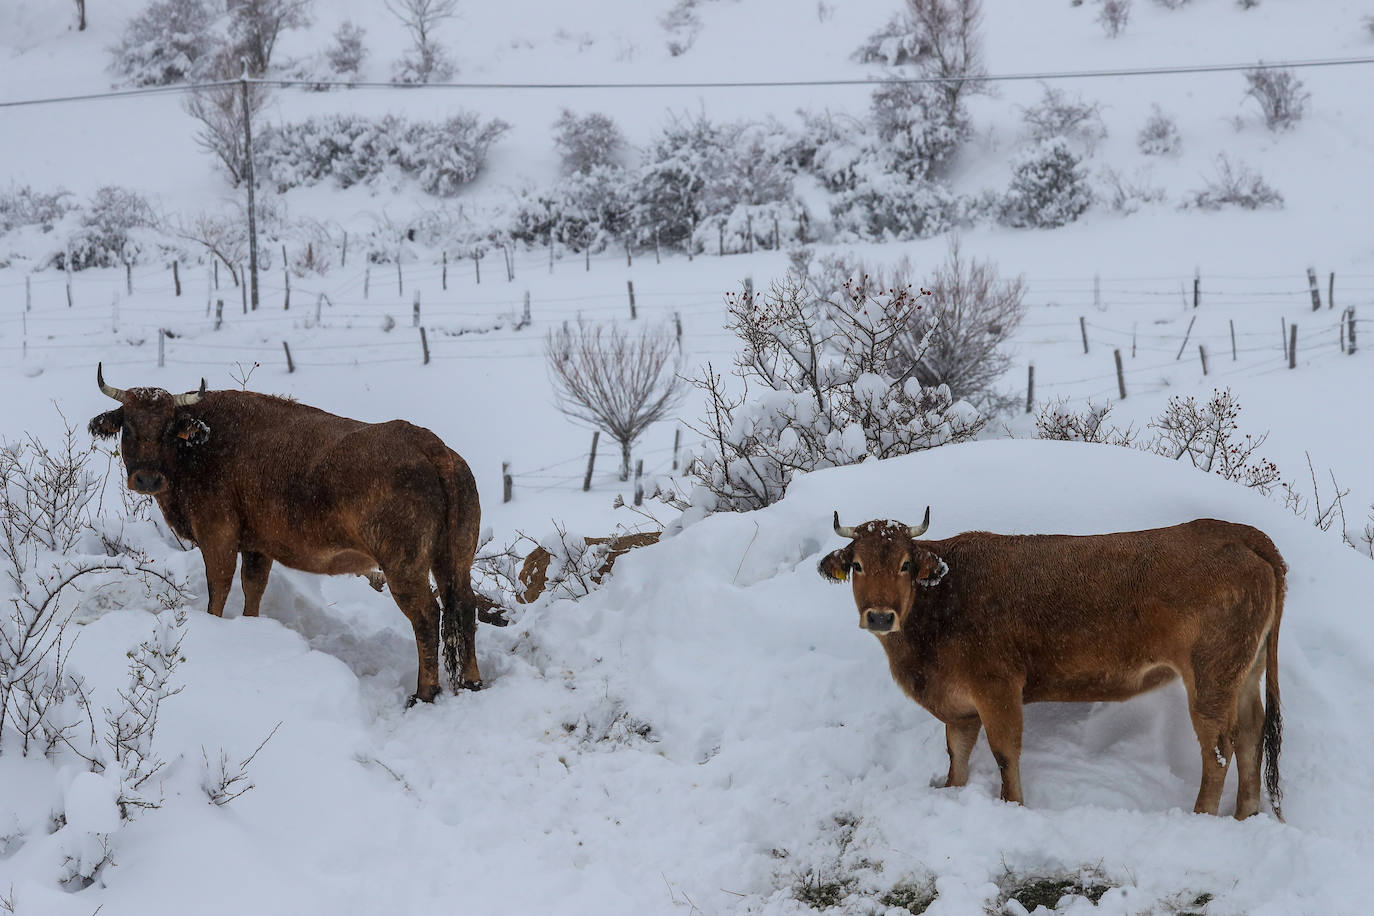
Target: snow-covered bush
746, 226
346, 55
891, 207
587, 141
683, 178
1234, 185
1113, 16
1058, 421
1059, 115
583, 210
1049, 188
169, 41
442, 156
817, 391
1279, 94
115, 227
831, 147
916, 127
1126, 195
682, 24
1159, 136
894, 43
23, 205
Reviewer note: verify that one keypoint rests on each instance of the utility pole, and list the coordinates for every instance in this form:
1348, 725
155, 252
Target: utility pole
252, 207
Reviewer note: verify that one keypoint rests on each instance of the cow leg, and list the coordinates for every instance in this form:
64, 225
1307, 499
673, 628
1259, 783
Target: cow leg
1214, 721
253, 577
220, 558
412, 593
472, 677
960, 737
1000, 712
1249, 743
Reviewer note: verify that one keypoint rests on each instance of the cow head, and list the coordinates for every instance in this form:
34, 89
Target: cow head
154, 425
887, 565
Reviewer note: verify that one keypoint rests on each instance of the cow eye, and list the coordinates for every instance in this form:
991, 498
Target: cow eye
906, 566
856, 567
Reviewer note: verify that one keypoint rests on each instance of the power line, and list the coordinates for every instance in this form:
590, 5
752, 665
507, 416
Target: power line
719, 84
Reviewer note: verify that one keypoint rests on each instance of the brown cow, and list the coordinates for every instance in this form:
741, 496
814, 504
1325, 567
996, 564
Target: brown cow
237, 472
978, 624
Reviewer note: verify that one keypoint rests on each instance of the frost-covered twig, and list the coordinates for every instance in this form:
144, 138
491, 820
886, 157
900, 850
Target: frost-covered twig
130, 728
222, 782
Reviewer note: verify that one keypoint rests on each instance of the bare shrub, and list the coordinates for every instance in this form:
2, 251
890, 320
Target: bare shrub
1159, 136
221, 114
426, 61
255, 26
951, 49
1057, 114
1234, 185
1113, 15
587, 141
1279, 94
22, 205
1207, 434
347, 53
1058, 421
975, 312
620, 383
223, 780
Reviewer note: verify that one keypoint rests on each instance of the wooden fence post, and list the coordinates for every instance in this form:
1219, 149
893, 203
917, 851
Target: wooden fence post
639, 482
1283, 335
587, 251
1202, 354
290, 365
28, 293
1197, 289
176, 276
677, 327
1293, 345
286, 281
68, 267
506, 482
215, 265
128, 278
550, 251
657, 259
1233, 340
720, 242
424, 345
1350, 330
319, 307
367, 280
343, 254
677, 440
591, 462
1083, 329
630, 285
161, 347
1331, 291
219, 313
1312, 288
749, 231
443, 277
1120, 375
243, 293
400, 282
415, 311
1186, 334
525, 315
1030, 387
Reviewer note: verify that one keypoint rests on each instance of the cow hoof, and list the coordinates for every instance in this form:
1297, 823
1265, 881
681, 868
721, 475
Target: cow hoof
421, 698
472, 685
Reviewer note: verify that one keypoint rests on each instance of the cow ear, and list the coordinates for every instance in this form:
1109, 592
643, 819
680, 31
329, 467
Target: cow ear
928, 569
192, 431
835, 565
107, 424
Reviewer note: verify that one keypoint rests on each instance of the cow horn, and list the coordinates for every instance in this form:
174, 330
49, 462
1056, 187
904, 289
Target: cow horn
190, 397
841, 530
918, 530
119, 394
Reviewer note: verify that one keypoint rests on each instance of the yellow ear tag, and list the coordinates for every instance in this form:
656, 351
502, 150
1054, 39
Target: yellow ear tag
843, 574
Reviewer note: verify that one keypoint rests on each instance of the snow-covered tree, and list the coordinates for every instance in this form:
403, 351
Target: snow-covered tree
167, 42
255, 26
427, 61
587, 141
917, 128
1049, 187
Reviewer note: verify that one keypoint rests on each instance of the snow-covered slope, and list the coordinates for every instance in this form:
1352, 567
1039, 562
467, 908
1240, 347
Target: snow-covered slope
712, 729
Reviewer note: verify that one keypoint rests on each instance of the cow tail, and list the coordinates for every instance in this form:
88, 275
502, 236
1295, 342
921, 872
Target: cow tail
453, 568
1273, 716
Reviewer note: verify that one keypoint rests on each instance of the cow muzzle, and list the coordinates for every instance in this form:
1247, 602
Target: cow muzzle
879, 620
147, 482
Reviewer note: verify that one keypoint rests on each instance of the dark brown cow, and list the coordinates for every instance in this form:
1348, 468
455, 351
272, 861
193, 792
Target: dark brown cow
978, 624
238, 472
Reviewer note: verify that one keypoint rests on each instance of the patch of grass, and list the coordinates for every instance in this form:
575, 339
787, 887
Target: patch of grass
914, 898
1048, 890
821, 893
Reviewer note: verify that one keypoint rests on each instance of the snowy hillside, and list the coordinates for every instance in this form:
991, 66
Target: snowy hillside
710, 732
704, 732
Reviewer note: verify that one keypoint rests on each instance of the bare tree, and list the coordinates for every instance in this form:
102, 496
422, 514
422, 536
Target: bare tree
976, 311
1280, 95
220, 111
421, 18
255, 26
618, 382
948, 34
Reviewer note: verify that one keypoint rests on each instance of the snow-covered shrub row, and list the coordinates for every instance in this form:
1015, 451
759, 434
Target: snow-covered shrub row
818, 390
116, 226
584, 210
352, 149
23, 205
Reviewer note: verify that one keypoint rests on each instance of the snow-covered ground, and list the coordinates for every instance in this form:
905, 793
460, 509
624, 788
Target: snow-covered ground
711, 731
